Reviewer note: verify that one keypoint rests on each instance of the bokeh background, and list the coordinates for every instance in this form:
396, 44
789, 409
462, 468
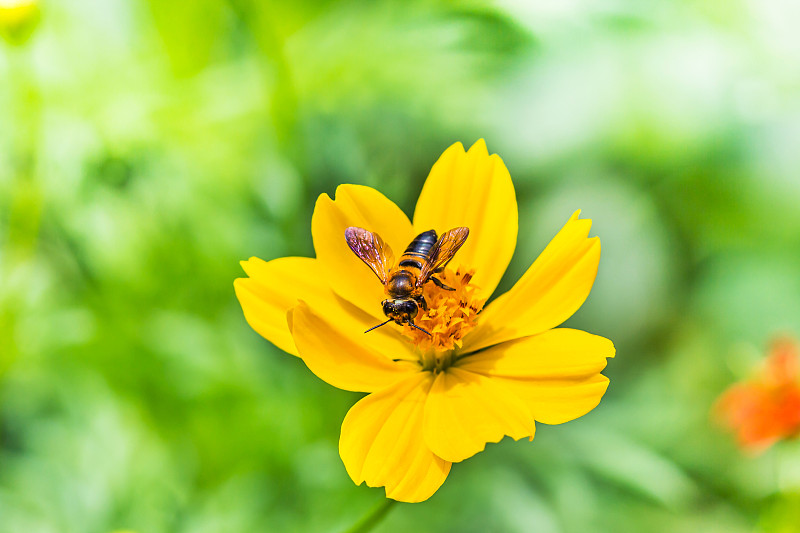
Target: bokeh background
146, 146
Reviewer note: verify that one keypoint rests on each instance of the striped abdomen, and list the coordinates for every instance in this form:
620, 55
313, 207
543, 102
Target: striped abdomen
403, 279
418, 252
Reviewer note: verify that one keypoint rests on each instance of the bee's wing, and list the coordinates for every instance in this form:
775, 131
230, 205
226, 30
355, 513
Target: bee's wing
372, 250
442, 252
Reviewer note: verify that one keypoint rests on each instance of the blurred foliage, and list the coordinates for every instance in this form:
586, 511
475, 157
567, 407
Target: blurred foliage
146, 146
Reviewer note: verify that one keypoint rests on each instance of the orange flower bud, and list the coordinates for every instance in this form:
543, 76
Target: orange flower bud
766, 408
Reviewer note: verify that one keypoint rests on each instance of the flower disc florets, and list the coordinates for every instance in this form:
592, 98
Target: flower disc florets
450, 316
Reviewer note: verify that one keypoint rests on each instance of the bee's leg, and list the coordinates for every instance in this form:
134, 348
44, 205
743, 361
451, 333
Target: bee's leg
422, 303
441, 285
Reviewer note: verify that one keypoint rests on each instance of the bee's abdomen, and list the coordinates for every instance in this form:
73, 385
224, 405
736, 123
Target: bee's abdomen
414, 263
417, 253
420, 247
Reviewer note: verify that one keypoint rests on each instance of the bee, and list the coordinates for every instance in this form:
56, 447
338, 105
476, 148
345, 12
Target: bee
426, 256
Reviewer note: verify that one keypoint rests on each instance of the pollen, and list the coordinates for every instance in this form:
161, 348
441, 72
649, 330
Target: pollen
450, 314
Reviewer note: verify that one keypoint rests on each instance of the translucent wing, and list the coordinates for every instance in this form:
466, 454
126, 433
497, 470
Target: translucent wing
442, 252
372, 250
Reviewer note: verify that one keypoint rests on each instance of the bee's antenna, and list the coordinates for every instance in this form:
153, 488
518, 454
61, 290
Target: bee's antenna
419, 328
379, 325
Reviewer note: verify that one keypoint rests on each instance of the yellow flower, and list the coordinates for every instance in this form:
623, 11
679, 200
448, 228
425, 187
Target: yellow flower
483, 374
18, 18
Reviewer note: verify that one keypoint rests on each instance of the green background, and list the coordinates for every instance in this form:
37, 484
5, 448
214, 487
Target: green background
148, 146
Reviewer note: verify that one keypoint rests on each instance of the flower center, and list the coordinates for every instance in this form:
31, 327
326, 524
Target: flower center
450, 316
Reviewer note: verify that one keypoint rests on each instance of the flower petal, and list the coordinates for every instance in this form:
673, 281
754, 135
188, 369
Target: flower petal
556, 373
273, 288
552, 289
472, 189
382, 442
336, 350
356, 205
465, 410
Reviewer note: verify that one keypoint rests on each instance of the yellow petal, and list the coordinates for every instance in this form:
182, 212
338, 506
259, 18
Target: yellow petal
552, 289
472, 189
382, 442
558, 402
556, 373
364, 207
466, 410
273, 288
335, 349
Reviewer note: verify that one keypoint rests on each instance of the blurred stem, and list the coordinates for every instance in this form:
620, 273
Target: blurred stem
264, 25
26, 199
372, 518
787, 466
24, 205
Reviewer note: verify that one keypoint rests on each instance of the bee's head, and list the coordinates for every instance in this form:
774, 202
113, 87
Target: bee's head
401, 311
